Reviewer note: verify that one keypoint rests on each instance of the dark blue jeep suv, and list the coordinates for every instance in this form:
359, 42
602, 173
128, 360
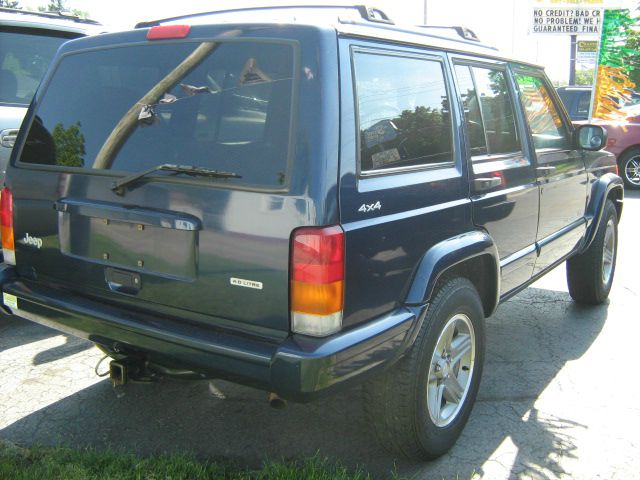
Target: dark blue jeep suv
300, 199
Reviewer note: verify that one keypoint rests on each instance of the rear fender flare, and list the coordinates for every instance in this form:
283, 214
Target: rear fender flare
600, 192
447, 254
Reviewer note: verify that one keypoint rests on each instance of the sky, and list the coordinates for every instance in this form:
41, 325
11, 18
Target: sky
501, 23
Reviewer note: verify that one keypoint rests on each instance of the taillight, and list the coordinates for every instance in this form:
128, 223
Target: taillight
164, 32
317, 280
6, 223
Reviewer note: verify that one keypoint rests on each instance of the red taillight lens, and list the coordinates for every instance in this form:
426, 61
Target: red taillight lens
164, 32
317, 280
6, 224
318, 255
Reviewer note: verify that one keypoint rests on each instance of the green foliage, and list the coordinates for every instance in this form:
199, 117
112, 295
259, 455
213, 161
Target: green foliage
59, 6
584, 77
69, 144
66, 464
426, 130
9, 4
54, 6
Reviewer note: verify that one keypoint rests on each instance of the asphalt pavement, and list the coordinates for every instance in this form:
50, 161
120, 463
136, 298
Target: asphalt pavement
559, 397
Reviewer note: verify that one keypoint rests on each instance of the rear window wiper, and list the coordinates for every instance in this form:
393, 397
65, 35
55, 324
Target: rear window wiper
119, 185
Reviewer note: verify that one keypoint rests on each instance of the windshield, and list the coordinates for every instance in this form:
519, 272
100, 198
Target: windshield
223, 106
24, 58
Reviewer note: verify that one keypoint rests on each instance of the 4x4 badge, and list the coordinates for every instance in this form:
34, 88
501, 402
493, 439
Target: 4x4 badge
34, 241
370, 207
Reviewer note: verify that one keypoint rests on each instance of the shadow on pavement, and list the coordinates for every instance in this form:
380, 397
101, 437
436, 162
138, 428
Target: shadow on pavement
530, 339
16, 332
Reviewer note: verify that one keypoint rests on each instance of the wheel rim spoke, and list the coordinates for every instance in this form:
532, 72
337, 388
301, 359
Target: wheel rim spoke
453, 391
459, 348
448, 337
435, 400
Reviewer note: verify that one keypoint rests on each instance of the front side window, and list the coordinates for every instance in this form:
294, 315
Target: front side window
403, 108
546, 125
24, 58
222, 106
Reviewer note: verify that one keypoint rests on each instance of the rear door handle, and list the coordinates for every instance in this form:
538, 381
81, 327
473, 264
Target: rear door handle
545, 170
487, 183
8, 137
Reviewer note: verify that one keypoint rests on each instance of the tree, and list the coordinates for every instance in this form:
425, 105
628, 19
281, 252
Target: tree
55, 6
584, 77
59, 6
69, 145
9, 4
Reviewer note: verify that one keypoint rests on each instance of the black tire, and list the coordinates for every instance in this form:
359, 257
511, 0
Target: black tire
396, 401
629, 168
588, 277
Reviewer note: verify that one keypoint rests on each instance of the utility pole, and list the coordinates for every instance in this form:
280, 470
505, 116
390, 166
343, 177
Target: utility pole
425, 13
572, 61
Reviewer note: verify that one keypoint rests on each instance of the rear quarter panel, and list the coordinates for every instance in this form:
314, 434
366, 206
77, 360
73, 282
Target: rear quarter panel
418, 208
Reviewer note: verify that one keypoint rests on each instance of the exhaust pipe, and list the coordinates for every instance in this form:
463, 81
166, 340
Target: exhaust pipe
276, 402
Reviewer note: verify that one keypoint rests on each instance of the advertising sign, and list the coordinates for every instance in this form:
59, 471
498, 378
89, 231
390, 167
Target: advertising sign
587, 53
552, 20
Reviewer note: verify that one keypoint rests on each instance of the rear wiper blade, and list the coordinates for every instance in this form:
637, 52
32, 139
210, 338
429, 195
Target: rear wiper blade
119, 185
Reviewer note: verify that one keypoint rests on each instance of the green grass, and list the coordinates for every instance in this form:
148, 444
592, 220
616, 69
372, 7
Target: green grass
66, 464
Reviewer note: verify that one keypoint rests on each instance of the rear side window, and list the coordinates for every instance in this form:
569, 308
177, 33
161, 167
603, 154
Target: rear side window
488, 109
223, 106
24, 57
403, 111
546, 125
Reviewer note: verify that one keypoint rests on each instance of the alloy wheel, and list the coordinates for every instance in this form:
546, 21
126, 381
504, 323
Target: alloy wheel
451, 370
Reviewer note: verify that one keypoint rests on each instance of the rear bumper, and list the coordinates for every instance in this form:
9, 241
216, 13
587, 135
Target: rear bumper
299, 368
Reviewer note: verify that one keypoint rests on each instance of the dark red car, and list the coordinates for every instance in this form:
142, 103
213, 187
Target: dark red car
624, 143
624, 135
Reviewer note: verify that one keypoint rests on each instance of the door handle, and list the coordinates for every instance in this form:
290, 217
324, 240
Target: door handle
8, 137
486, 183
545, 170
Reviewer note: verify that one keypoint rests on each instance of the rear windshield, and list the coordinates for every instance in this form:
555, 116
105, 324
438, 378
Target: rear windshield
221, 106
24, 57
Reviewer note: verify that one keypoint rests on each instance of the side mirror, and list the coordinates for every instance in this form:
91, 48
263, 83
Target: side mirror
591, 137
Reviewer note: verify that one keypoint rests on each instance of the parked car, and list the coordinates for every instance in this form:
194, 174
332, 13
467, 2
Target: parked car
623, 135
577, 100
301, 199
28, 42
624, 142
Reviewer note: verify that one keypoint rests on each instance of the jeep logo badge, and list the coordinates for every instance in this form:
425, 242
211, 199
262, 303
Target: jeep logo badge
33, 241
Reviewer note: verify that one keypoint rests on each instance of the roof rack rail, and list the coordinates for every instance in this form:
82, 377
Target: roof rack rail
370, 14
63, 15
463, 32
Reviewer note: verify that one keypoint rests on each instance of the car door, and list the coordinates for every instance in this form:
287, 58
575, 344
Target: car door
503, 189
560, 170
